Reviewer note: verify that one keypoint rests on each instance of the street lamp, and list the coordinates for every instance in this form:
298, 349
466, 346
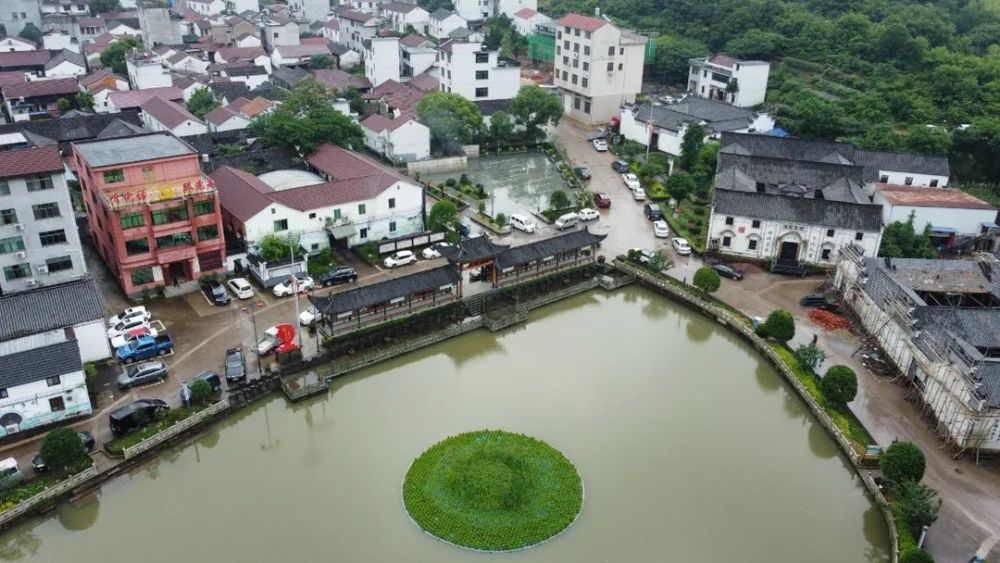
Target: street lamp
253, 320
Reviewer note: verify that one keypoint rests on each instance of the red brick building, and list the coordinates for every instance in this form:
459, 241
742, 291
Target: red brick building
155, 218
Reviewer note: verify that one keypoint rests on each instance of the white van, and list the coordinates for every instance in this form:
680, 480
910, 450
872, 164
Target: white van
10, 473
566, 221
522, 223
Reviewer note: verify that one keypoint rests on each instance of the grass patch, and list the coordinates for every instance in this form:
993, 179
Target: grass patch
990, 193
907, 541
492, 490
118, 446
368, 252
691, 223
24, 491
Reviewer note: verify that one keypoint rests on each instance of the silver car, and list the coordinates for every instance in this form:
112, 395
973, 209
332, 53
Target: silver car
141, 374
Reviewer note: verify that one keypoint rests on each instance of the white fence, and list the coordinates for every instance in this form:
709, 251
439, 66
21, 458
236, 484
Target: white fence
176, 429
48, 494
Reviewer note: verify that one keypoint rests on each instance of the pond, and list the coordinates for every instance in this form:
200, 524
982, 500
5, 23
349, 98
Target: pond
690, 446
518, 183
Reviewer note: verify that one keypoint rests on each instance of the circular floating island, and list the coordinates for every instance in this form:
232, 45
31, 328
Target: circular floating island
492, 490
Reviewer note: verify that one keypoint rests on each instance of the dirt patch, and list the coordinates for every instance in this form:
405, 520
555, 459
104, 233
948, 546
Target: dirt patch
829, 321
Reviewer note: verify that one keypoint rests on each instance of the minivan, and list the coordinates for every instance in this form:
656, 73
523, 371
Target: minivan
10, 473
133, 416
566, 221
652, 211
522, 223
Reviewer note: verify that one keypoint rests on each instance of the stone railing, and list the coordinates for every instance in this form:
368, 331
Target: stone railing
176, 429
559, 294
50, 493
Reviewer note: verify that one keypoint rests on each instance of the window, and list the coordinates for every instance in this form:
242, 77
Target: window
755, 224
620, 66
141, 276
565, 75
45, 210
586, 50
558, 35
131, 220
59, 264
727, 241
586, 106
482, 57
336, 214
363, 233
576, 47
611, 51
565, 44
48, 238
280, 225
38, 183
586, 34
825, 254
3, 393
883, 178
176, 239
859, 236
576, 63
729, 220
576, 102
4, 188
170, 215
17, 271
586, 66
752, 244
8, 216
611, 67
584, 82
208, 232
53, 381
137, 246
566, 60
573, 79
934, 183
392, 226
361, 209
482, 92
829, 233
204, 207
392, 203
114, 176
12, 244
576, 32
148, 174
57, 404
908, 181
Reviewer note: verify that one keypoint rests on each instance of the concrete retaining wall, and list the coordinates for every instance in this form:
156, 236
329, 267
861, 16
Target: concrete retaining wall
437, 165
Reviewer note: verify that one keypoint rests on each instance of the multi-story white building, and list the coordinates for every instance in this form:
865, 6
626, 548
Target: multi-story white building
146, 69
39, 241
418, 54
443, 22
11, 44
356, 27
400, 16
723, 78
382, 59
310, 10
598, 67
526, 20
478, 10
476, 73
399, 139
15, 14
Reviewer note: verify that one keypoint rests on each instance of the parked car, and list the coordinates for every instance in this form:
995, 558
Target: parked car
138, 310
141, 374
284, 289
523, 222
38, 464
818, 300
135, 415
400, 258
236, 365
241, 288
124, 339
652, 211
216, 292
660, 229
309, 316
645, 255
588, 214
567, 221
639, 194
339, 275
681, 245
582, 172
464, 230
631, 181
212, 378
727, 271
145, 347
127, 325
434, 250
619, 166
602, 200
600, 145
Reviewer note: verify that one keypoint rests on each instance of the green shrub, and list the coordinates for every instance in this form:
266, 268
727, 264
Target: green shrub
201, 392
62, 450
707, 279
918, 505
839, 386
903, 461
559, 200
500, 219
780, 325
450, 182
916, 556
810, 356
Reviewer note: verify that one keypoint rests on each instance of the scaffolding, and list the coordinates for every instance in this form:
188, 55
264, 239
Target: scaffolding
542, 47
942, 368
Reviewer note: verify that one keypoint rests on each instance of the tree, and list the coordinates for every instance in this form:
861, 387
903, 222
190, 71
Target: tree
201, 392
501, 128
277, 249
113, 56
903, 461
928, 140
453, 120
202, 101
780, 325
694, 139
64, 105
500, 219
756, 44
918, 505
673, 56
321, 61
559, 200
916, 555
62, 450
443, 214
707, 279
810, 356
104, 6
704, 169
900, 240
810, 116
31, 33
534, 108
85, 100
680, 184
839, 386
305, 119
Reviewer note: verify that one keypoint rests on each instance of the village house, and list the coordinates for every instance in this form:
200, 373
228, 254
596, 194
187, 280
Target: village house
161, 115
442, 22
402, 16
356, 27
39, 99
951, 214
726, 79
476, 73
526, 20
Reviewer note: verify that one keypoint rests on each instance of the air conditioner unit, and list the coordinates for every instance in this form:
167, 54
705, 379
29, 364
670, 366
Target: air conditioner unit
43, 269
31, 282
19, 226
21, 254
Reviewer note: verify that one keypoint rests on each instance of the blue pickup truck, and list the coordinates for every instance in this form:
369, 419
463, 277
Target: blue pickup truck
145, 347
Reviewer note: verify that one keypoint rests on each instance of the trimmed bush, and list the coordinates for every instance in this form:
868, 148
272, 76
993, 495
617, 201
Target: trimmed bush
810, 356
839, 386
903, 461
707, 279
62, 450
201, 392
780, 325
918, 505
916, 556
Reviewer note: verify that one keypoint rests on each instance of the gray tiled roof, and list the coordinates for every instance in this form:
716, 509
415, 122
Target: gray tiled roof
473, 250
69, 129
544, 248
799, 178
40, 363
50, 308
374, 294
716, 116
838, 214
441, 14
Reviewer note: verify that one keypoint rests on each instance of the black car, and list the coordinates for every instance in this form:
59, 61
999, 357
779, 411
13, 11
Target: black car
818, 300
216, 292
213, 379
727, 271
342, 274
582, 172
236, 365
652, 211
619, 166
133, 416
38, 464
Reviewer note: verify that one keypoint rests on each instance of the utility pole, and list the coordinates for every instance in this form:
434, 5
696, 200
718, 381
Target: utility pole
295, 290
253, 320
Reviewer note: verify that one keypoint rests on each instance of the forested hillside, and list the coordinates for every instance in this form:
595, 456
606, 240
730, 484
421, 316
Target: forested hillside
876, 72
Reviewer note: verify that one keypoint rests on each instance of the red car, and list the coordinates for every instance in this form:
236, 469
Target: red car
602, 200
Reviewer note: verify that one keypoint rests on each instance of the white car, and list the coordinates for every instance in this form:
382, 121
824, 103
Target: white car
660, 229
137, 311
434, 251
400, 258
681, 246
127, 337
600, 145
588, 214
639, 194
127, 325
631, 181
241, 288
284, 288
309, 316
